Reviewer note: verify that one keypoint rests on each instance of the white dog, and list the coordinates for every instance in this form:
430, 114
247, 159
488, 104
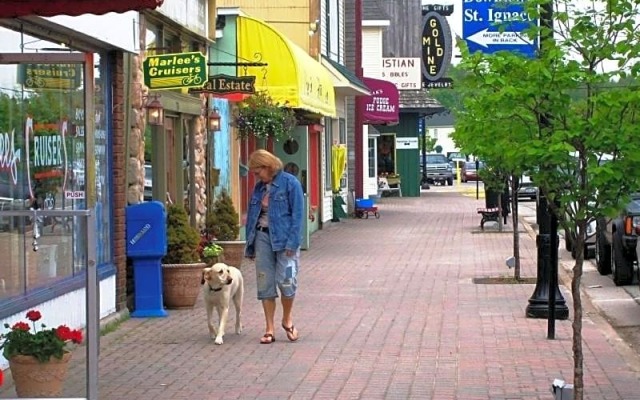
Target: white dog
221, 283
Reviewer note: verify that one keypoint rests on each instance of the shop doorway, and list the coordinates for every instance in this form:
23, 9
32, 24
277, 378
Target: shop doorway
48, 162
386, 155
294, 153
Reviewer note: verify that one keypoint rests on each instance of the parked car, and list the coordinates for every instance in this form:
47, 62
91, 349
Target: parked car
148, 189
438, 169
589, 243
616, 243
469, 172
13, 197
456, 167
527, 189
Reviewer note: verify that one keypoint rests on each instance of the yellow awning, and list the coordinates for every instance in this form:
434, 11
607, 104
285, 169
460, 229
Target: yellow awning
291, 76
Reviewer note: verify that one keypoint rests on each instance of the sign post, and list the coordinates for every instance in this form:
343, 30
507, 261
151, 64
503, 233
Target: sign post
492, 26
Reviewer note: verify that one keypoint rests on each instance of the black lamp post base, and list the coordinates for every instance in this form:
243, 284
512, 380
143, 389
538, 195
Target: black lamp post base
540, 309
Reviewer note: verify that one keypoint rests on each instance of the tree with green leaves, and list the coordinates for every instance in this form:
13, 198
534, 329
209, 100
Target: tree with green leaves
559, 115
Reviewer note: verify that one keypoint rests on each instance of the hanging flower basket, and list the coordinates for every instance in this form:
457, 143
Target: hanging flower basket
261, 117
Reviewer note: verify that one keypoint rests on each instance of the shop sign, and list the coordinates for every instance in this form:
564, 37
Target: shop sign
404, 143
404, 72
74, 194
436, 46
174, 71
226, 84
382, 106
50, 76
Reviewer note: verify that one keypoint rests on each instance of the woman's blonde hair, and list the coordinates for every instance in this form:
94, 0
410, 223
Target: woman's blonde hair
263, 158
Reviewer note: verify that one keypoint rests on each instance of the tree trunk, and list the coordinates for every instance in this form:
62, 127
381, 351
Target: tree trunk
516, 234
578, 357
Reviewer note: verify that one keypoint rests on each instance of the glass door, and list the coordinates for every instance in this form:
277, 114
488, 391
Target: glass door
295, 156
44, 165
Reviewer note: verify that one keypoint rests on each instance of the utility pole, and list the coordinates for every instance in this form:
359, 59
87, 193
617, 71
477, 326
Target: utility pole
358, 131
547, 301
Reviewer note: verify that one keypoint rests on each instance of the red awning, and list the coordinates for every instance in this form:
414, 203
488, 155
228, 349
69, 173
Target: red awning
49, 8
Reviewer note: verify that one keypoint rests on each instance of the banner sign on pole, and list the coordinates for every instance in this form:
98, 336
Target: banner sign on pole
490, 26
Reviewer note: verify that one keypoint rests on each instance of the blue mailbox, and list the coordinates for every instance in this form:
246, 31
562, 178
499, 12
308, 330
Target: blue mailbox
146, 245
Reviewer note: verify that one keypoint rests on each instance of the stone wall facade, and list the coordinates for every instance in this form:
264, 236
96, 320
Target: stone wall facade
135, 150
199, 185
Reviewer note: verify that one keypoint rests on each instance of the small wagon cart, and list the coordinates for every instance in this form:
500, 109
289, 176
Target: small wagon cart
364, 208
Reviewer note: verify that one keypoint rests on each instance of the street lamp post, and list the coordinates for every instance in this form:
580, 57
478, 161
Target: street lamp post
547, 301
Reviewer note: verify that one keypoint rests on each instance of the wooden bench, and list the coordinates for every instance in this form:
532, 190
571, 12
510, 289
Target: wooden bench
488, 214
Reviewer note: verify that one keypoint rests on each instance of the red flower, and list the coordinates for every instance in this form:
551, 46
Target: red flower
34, 315
76, 336
63, 333
21, 326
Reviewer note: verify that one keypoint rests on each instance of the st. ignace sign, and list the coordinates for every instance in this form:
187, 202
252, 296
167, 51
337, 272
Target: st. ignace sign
490, 26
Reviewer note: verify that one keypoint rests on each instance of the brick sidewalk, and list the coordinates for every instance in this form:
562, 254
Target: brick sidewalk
387, 309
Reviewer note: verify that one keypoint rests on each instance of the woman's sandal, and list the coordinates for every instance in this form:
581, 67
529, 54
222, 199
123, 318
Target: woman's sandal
292, 333
267, 338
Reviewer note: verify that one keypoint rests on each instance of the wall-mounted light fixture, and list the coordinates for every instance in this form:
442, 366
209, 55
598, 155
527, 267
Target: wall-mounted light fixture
155, 111
213, 120
313, 27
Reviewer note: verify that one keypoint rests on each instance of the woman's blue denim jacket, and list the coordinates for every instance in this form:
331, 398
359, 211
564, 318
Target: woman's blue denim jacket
286, 203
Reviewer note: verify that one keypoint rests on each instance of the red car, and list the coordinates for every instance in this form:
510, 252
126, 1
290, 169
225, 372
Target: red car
469, 172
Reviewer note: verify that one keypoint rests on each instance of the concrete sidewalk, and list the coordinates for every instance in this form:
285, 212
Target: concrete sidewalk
387, 309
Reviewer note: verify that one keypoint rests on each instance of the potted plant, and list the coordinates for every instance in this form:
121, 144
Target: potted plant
210, 251
182, 266
38, 359
222, 223
260, 116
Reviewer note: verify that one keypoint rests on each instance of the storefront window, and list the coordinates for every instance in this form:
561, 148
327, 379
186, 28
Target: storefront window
42, 166
101, 146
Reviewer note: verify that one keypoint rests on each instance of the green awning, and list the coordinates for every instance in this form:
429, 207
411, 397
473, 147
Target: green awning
344, 79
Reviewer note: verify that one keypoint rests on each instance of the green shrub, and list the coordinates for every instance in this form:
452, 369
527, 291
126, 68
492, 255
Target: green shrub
222, 221
182, 239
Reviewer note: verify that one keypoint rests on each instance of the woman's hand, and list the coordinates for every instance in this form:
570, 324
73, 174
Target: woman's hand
289, 253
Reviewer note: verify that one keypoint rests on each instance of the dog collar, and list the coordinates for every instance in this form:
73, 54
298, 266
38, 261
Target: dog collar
217, 289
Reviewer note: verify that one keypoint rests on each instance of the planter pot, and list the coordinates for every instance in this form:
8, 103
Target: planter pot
213, 260
34, 379
181, 284
233, 251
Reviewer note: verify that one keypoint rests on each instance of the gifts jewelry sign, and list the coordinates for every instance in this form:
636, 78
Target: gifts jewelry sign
437, 46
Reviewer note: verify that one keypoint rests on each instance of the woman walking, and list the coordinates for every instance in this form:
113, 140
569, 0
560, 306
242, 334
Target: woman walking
274, 231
